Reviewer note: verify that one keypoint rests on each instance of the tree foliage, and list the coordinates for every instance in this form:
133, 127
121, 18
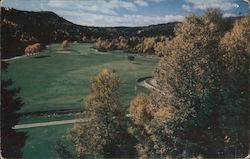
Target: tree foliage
194, 76
148, 128
103, 132
145, 45
131, 58
235, 50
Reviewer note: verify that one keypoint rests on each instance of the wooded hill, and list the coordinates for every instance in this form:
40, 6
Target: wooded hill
21, 28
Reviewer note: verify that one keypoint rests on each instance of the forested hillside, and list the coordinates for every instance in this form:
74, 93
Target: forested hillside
21, 28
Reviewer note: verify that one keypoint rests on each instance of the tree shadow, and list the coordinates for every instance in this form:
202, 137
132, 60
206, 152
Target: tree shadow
137, 63
63, 150
41, 57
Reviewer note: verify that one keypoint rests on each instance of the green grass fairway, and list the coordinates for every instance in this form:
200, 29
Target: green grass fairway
59, 79
41, 141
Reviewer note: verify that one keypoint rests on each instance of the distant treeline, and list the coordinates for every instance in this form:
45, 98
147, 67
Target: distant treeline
153, 44
145, 45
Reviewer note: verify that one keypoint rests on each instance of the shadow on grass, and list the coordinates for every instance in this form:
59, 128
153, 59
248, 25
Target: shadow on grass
41, 57
51, 112
137, 63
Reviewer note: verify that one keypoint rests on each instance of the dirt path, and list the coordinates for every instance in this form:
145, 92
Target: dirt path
51, 123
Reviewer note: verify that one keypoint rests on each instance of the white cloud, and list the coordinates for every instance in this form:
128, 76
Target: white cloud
186, 7
224, 5
100, 6
230, 15
98, 12
156, 0
104, 12
141, 3
118, 20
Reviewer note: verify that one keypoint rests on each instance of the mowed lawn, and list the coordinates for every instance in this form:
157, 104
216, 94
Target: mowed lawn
59, 79
41, 142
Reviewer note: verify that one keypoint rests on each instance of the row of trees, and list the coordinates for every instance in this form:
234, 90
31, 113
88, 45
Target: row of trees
202, 110
146, 45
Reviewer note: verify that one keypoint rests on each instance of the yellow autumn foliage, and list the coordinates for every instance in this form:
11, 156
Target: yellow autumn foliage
141, 109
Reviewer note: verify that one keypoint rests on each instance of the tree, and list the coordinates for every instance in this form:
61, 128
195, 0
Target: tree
11, 141
190, 75
131, 58
148, 45
101, 136
153, 138
159, 47
141, 109
65, 44
235, 50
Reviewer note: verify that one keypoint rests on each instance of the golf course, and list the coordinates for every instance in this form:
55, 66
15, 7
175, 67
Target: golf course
54, 82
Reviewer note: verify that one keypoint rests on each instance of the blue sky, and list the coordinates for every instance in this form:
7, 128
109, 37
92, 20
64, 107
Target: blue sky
128, 12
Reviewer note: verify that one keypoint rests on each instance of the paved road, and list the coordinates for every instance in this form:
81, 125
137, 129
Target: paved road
19, 57
51, 123
149, 83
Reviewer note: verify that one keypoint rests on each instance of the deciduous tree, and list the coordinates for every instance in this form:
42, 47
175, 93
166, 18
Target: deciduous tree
147, 126
190, 75
101, 135
235, 50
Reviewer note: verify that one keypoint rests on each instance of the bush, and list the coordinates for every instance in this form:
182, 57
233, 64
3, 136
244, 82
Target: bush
35, 48
131, 58
65, 44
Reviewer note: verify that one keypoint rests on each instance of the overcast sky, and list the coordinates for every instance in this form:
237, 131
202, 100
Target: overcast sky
127, 12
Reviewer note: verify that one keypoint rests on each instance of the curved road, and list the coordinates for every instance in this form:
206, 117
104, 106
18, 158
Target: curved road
149, 83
